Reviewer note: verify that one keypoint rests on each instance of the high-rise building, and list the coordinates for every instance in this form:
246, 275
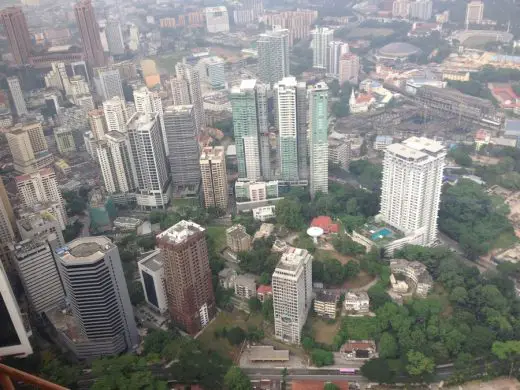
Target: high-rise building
94, 282
37, 269
41, 220
421, 9
7, 226
273, 56
146, 142
57, 78
133, 39
89, 32
86, 102
412, 183
336, 51
110, 84
17, 32
14, 339
319, 145
41, 187
78, 86
116, 162
302, 108
321, 38
150, 102
217, 19
474, 12
188, 276
214, 178
298, 23
349, 69
292, 294
151, 271
286, 120
190, 92
213, 71
28, 147
249, 103
401, 8
96, 120
17, 95
115, 114
181, 134
116, 44
64, 139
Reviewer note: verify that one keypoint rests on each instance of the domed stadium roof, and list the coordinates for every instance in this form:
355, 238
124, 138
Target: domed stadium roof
399, 50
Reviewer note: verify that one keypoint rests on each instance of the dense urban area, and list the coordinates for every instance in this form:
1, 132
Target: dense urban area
260, 194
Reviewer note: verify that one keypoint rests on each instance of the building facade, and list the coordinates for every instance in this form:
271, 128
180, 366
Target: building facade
335, 51
214, 177
15, 88
217, 19
17, 32
349, 69
319, 144
151, 271
321, 38
474, 12
273, 56
89, 33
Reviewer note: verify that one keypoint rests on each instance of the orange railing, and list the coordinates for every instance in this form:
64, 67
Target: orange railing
8, 375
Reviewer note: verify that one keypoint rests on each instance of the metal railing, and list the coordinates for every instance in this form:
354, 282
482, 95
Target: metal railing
9, 376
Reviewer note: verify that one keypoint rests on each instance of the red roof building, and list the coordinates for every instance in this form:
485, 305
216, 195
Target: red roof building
504, 94
317, 385
263, 291
326, 224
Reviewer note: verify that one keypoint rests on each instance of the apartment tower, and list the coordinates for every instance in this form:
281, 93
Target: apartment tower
273, 56
17, 33
89, 33
319, 145
214, 178
187, 273
15, 88
321, 38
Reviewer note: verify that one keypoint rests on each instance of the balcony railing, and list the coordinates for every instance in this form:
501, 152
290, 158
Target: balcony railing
9, 376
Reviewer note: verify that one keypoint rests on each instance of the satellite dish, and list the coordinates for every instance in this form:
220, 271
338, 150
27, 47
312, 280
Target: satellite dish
315, 232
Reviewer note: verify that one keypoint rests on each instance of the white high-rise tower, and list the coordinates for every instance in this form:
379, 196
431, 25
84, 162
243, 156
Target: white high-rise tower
411, 191
321, 37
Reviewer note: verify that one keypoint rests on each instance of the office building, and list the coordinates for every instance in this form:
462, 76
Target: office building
321, 38
96, 120
41, 187
250, 120
474, 12
115, 114
151, 272
116, 163
17, 33
110, 84
217, 19
57, 78
349, 69
292, 294
64, 140
17, 95
89, 33
319, 146
273, 56
421, 9
412, 183
401, 9
28, 147
214, 71
186, 90
41, 220
116, 45
336, 50
148, 102
14, 338
153, 181
286, 120
181, 134
302, 108
37, 270
94, 282
187, 273
214, 178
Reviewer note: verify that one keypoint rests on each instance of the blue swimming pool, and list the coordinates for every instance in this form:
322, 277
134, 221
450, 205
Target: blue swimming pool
381, 233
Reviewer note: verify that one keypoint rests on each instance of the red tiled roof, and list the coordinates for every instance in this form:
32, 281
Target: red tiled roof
326, 224
364, 98
264, 289
348, 347
317, 385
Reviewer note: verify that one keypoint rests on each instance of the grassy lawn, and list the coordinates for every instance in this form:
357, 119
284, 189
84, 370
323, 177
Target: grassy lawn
218, 234
367, 32
167, 62
184, 202
361, 280
322, 253
323, 330
438, 292
504, 241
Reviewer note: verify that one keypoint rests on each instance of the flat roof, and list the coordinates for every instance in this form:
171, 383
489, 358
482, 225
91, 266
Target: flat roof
152, 261
267, 353
180, 232
85, 249
248, 84
292, 259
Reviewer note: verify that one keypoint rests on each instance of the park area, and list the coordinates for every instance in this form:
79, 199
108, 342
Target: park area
323, 330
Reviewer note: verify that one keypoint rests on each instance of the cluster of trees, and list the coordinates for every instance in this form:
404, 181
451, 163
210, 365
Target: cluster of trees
368, 174
200, 215
72, 230
341, 108
330, 271
461, 155
506, 172
259, 259
473, 218
473, 88
236, 335
76, 202
346, 246
463, 322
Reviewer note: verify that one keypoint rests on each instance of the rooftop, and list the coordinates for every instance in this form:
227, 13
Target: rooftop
180, 232
266, 353
237, 231
293, 259
327, 296
152, 261
416, 148
85, 249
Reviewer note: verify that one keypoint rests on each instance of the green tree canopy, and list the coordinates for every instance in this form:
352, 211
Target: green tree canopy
235, 379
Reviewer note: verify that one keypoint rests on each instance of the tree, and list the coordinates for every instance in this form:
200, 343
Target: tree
378, 370
268, 310
419, 365
330, 386
235, 379
289, 214
388, 347
284, 378
156, 340
135, 289
508, 351
236, 335
321, 358
254, 304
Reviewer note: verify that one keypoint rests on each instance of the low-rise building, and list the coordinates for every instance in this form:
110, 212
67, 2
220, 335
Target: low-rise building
359, 349
226, 278
237, 239
358, 302
245, 286
263, 292
325, 304
266, 229
264, 213
151, 272
127, 223
382, 141
325, 222
267, 353
415, 273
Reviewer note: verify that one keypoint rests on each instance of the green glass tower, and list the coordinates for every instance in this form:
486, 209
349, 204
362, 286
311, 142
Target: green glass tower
319, 148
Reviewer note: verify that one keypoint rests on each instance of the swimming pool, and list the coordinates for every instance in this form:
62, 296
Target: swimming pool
381, 233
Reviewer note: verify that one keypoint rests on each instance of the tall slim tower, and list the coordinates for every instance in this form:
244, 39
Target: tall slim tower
89, 32
16, 93
115, 114
187, 274
273, 56
321, 38
285, 99
214, 178
335, 51
17, 32
412, 183
116, 45
96, 120
7, 226
191, 77
302, 108
149, 102
319, 147
94, 282
181, 133
292, 294
249, 102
